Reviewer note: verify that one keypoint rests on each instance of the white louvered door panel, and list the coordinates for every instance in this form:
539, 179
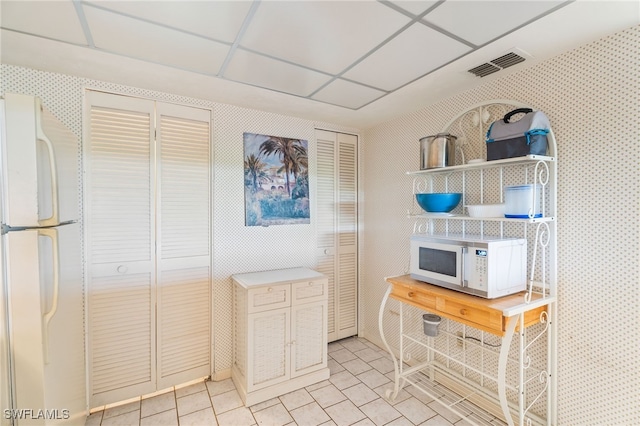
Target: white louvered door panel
183, 244
347, 293
119, 225
326, 240
337, 228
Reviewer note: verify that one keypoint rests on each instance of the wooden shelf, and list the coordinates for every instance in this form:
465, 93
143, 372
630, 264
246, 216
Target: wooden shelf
490, 315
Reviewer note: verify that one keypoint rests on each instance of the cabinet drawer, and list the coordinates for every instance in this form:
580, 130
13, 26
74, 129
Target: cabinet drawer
484, 319
413, 296
269, 297
309, 291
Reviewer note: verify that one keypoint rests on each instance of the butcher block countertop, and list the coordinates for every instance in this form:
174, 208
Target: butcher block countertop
491, 315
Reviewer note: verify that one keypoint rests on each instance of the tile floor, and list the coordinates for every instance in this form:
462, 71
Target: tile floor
353, 395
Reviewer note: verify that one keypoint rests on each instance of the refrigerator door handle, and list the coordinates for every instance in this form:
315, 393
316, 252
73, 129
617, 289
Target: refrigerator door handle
54, 219
46, 318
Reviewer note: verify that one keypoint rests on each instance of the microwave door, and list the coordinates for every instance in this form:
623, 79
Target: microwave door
442, 263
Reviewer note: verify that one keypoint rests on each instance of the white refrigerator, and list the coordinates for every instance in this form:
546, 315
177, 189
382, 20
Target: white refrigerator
42, 362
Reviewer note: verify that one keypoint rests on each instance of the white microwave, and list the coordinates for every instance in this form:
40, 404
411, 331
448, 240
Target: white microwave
487, 267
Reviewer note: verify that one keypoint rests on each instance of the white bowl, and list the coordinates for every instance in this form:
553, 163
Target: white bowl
485, 210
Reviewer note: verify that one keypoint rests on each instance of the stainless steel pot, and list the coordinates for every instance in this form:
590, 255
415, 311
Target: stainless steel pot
437, 151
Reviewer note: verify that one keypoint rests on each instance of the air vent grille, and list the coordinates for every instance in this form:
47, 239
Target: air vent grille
495, 65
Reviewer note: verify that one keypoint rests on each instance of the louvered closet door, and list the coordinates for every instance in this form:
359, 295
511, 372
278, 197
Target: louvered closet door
184, 334
337, 228
119, 222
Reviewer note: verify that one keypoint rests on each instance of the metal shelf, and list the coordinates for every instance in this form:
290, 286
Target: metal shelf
447, 216
485, 165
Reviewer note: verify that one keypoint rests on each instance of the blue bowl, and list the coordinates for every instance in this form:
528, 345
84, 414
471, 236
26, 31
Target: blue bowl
438, 202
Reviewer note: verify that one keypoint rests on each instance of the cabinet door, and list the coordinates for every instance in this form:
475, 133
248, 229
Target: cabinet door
182, 246
308, 338
119, 224
337, 229
269, 355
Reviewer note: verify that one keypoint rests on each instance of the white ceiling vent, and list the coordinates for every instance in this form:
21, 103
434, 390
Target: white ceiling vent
505, 61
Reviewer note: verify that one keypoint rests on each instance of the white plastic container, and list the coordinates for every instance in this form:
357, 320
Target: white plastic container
523, 201
485, 210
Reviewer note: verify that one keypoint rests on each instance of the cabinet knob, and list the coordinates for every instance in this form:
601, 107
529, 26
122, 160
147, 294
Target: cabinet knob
270, 289
463, 312
411, 294
122, 269
310, 283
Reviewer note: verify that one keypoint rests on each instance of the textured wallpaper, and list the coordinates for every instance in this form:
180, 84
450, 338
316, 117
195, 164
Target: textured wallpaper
592, 97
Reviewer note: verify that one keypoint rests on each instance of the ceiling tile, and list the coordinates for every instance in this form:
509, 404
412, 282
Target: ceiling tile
481, 21
57, 20
261, 71
412, 54
323, 35
347, 94
131, 37
415, 7
220, 20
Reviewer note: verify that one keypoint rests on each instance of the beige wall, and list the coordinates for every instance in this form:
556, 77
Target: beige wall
592, 97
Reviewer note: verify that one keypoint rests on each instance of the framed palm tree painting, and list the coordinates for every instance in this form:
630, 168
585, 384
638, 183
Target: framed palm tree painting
276, 180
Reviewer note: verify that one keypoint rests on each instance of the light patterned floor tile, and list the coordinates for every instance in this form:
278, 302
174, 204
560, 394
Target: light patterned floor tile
334, 346
356, 366
373, 378
383, 365
343, 355
334, 366
327, 396
415, 410
310, 415
360, 394
353, 344
265, 404
276, 415
222, 386
190, 389
368, 354
199, 418
158, 404
94, 419
380, 411
226, 401
345, 413
402, 394
295, 399
437, 421
365, 422
318, 385
343, 380
239, 416
121, 409
400, 421
193, 402
132, 418
166, 418
345, 399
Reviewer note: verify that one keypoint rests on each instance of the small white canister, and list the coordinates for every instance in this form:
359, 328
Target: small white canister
523, 201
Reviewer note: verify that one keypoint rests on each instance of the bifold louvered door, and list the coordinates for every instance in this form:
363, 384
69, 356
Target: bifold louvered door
184, 348
338, 228
147, 245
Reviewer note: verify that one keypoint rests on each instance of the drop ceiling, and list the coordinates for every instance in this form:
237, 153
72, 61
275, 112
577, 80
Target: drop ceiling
348, 62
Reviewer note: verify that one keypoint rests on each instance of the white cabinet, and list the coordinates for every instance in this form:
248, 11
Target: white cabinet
280, 329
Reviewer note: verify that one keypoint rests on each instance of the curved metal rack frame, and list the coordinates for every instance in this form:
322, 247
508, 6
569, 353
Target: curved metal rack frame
534, 388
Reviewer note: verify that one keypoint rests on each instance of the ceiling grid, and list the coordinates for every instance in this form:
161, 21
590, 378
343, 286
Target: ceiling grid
338, 58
